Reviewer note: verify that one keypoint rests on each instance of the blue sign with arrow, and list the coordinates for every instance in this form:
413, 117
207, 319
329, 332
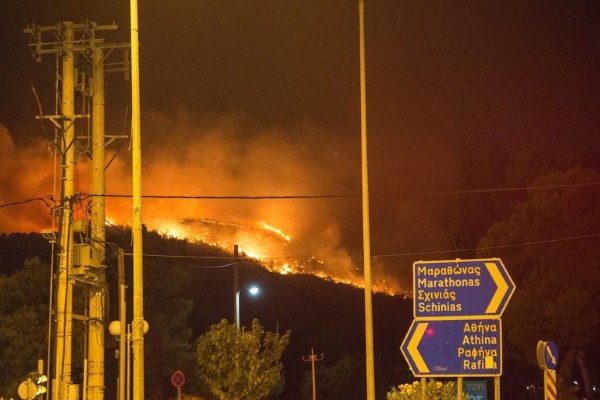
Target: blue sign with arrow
469, 347
547, 355
461, 288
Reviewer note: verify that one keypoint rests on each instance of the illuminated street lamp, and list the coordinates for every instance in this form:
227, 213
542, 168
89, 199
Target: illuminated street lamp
254, 291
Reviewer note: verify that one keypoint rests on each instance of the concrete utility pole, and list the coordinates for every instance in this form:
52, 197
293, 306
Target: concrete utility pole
312, 358
95, 379
64, 300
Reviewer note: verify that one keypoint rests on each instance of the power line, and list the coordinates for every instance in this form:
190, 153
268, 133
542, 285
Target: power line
84, 196
179, 257
191, 257
266, 197
504, 246
388, 255
507, 189
341, 196
321, 196
21, 202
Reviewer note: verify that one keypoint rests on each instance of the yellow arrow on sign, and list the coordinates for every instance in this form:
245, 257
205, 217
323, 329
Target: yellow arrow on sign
414, 351
502, 288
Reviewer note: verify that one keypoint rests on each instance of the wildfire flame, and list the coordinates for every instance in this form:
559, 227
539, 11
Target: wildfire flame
260, 242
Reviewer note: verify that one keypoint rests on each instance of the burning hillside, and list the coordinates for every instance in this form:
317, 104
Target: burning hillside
284, 228
264, 244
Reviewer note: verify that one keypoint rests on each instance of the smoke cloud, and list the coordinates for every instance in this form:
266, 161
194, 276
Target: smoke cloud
229, 156
26, 174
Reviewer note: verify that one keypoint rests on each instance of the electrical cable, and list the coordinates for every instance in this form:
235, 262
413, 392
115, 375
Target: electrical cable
190, 197
389, 255
21, 202
505, 246
323, 196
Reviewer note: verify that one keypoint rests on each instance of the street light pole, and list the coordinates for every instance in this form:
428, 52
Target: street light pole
370, 369
236, 289
237, 310
136, 225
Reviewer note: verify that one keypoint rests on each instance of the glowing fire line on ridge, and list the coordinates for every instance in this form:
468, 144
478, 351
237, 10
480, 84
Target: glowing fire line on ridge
254, 242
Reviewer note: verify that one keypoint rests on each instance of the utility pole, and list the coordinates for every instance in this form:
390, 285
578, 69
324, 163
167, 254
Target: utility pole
97, 207
96, 308
312, 358
64, 300
78, 261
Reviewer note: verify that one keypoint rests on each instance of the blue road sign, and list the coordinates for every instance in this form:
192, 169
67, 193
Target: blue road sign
470, 347
475, 390
461, 288
547, 355
551, 355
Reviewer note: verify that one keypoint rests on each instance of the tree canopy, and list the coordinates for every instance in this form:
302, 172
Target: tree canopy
550, 246
23, 323
241, 364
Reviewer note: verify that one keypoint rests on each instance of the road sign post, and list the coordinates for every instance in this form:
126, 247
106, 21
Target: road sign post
177, 380
547, 358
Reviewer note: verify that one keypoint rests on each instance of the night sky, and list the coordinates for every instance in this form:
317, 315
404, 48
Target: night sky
261, 98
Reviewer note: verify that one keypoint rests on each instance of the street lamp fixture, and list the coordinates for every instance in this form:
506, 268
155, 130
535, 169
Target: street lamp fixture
49, 235
253, 290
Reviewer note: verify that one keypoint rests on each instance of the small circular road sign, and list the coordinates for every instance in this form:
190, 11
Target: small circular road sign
177, 379
547, 355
